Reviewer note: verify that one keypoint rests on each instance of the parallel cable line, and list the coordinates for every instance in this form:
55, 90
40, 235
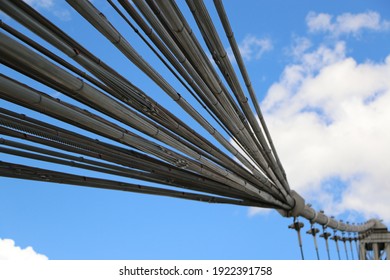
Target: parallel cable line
112, 132
31, 132
219, 54
197, 84
138, 137
233, 43
166, 53
79, 55
104, 26
177, 24
38, 174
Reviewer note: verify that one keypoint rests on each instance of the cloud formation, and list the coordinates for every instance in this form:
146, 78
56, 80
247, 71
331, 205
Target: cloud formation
346, 23
40, 3
50, 5
329, 119
252, 48
9, 251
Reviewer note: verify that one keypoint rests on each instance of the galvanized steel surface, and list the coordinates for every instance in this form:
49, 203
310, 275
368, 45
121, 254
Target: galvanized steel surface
161, 147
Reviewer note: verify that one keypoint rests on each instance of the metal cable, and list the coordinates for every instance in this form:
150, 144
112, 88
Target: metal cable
263, 180
178, 156
178, 181
313, 232
296, 225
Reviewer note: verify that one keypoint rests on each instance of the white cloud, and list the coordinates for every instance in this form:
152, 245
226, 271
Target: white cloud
40, 3
256, 211
8, 251
319, 22
300, 47
346, 23
53, 6
309, 63
252, 48
329, 119
63, 15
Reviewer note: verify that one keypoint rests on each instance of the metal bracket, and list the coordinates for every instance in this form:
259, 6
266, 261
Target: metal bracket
298, 207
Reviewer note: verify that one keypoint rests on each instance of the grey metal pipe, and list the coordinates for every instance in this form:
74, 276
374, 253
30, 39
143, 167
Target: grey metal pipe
90, 94
38, 174
26, 129
187, 149
87, 10
7, 87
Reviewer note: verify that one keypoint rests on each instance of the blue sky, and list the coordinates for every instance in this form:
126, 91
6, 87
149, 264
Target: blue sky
321, 74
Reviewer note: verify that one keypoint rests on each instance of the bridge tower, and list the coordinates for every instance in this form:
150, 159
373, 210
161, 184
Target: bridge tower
375, 244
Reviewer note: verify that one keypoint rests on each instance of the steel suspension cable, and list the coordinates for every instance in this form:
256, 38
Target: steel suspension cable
123, 134
88, 90
220, 56
38, 174
192, 161
326, 236
313, 232
344, 239
336, 238
166, 52
296, 225
237, 54
124, 47
32, 130
62, 36
175, 21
